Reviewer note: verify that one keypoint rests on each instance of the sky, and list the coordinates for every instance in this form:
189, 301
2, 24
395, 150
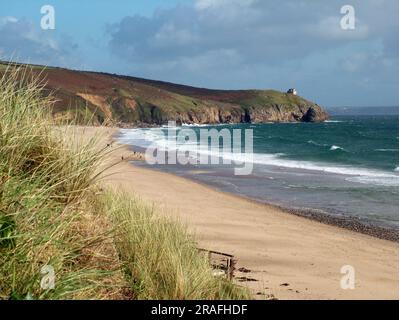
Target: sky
221, 44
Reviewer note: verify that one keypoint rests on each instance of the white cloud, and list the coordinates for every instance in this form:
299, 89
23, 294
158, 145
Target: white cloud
8, 19
330, 28
257, 31
169, 33
22, 40
260, 44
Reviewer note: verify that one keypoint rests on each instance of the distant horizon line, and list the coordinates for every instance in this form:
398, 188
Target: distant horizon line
354, 107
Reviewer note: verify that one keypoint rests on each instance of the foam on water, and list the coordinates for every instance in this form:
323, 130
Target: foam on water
365, 175
195, 125
333, 148
147, 137
387, 150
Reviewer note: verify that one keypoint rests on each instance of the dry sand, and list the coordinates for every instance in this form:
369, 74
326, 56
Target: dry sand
290, 257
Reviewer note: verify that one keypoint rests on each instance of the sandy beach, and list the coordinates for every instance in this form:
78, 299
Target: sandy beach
288, 257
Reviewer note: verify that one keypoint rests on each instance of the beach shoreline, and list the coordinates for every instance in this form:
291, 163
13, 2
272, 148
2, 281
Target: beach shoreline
355, 224
361, 225
288, 256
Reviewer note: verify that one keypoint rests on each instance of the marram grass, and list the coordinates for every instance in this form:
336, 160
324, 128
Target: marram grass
160, 257
100, 245
46, 216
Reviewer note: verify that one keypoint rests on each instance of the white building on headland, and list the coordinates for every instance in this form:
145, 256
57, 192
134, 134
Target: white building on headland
292, 91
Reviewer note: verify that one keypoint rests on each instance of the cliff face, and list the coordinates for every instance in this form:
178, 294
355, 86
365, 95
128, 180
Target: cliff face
274, 113
127, 101
291, 113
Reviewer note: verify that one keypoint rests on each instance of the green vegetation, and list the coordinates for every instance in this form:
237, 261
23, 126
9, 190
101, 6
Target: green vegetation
261, 98
160, 257
45, 202
101, 245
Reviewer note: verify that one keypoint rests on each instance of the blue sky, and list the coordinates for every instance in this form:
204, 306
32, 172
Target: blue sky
227, 44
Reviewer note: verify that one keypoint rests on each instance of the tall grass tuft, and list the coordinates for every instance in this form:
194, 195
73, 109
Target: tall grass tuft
45, 194
160, 257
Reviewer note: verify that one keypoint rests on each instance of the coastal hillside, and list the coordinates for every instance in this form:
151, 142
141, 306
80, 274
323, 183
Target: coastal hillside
128, 101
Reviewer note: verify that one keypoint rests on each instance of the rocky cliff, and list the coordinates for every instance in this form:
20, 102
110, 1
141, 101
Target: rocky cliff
127, 101
257, 114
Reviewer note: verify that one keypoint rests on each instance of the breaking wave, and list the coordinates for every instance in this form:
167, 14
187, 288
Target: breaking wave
147, 137
333, 148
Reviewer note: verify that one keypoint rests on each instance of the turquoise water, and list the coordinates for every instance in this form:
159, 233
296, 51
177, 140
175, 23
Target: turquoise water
348, 166
361, 142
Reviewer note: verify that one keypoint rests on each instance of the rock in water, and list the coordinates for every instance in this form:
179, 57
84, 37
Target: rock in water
314, 115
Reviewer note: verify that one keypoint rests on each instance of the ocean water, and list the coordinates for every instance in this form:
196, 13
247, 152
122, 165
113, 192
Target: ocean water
348, 166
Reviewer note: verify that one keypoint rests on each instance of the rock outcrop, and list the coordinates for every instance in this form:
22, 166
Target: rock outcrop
275, 113
315, 114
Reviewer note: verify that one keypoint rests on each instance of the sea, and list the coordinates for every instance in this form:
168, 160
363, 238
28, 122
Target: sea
345, 167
